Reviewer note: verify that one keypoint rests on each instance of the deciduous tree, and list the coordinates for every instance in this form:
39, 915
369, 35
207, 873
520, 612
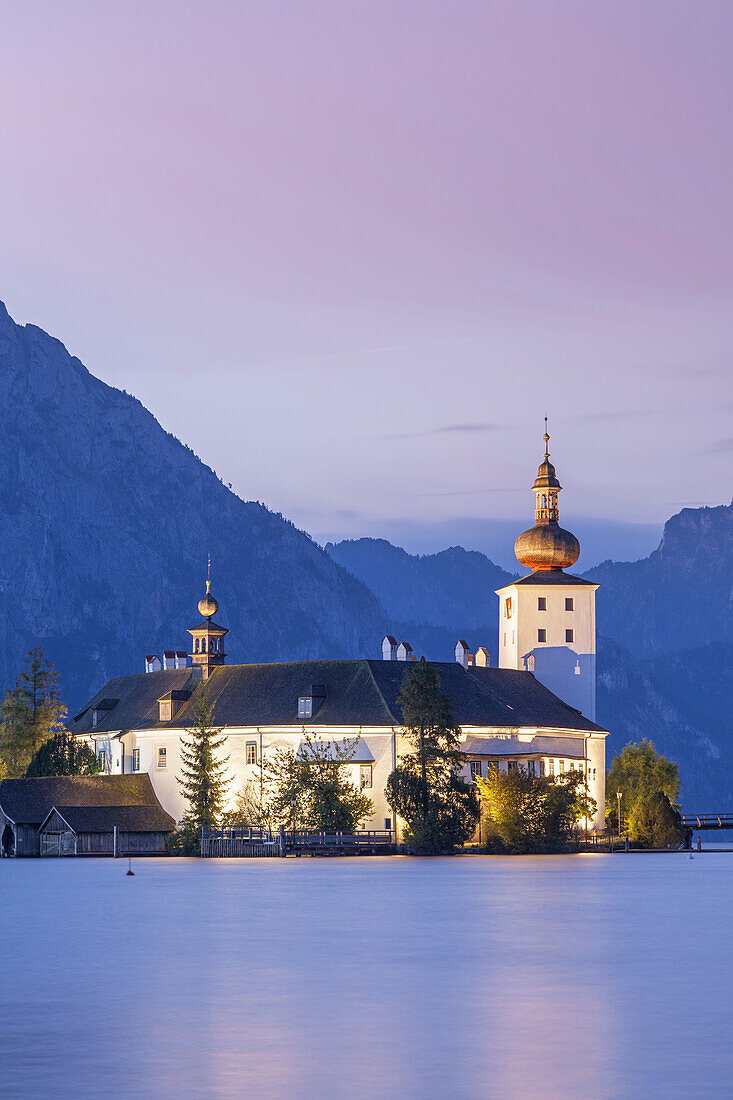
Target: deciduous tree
638, 772
314, 777
526, 813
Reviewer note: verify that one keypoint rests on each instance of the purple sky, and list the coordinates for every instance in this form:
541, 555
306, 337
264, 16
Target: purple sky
353, 252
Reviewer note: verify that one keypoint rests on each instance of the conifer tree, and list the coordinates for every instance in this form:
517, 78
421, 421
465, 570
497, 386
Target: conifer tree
31, 713
203, 779
426, 790
63, 754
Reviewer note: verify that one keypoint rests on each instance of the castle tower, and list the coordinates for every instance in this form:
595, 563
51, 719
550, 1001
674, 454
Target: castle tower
547, 620
206, 644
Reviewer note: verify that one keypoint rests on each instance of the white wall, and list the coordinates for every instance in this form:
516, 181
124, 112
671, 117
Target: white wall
568, 669
568, 746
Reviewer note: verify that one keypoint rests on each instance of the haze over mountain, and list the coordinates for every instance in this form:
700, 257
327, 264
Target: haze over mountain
107, 521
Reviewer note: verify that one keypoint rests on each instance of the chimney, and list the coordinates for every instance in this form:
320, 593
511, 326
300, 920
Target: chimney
152, 663
404, 651
463, 657
169, 658
389, 648
483, 660
181, 658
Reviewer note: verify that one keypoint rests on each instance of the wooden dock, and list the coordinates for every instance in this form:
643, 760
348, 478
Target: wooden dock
262, 844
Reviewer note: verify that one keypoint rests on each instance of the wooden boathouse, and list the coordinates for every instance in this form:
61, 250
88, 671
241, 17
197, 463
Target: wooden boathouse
81, 814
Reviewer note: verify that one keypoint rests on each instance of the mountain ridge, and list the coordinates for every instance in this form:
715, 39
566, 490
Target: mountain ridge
107, 523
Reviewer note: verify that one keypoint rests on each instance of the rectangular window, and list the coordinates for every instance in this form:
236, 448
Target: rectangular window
511, 766
475, 766
562, 765
136, 760
388, 822
541, 635
365, 776
250, 752
551, 764
531, 768
542, 603
162, 758
508, 607
568, 635
542, 768
505, 638
305, 706
569, 603
102, 758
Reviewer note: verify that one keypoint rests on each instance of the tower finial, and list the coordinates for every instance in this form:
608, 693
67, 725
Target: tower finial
208, 571
547, 441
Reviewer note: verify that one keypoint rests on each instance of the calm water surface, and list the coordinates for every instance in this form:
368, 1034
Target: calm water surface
572, 976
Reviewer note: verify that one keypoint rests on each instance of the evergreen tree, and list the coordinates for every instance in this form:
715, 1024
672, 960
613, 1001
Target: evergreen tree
203, 779
426, 790
313, 776
31, 713
63, 754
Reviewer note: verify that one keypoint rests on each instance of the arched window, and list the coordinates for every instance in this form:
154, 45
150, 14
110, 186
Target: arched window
544, 501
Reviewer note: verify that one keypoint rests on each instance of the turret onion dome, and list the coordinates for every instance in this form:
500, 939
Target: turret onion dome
208, 606
547, 545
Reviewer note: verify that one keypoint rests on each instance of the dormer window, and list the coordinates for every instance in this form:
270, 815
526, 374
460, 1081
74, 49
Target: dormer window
309, 704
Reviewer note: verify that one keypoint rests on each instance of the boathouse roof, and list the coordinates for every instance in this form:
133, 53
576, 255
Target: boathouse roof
28, 801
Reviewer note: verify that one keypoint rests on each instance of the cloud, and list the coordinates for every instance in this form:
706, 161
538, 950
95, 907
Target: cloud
720, 446
448, 429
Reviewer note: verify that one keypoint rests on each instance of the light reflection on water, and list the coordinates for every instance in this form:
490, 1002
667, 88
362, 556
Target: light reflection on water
574, 976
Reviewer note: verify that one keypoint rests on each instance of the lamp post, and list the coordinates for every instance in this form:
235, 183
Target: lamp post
618, 798
292, 808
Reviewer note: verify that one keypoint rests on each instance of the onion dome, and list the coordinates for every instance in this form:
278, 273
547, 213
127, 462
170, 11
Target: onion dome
547, 545
208, 606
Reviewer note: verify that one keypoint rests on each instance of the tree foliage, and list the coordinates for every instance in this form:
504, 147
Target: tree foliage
63, 754
203, 777
426, 790
526, 813
640, 772
654, 822
313, 776
31, 713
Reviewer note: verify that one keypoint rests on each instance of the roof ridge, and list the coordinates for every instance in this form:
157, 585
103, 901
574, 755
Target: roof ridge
368, 662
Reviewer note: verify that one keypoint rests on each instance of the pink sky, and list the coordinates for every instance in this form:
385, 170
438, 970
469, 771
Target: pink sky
378, 241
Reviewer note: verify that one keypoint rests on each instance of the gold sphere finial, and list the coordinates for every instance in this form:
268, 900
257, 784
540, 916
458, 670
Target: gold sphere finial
208, 606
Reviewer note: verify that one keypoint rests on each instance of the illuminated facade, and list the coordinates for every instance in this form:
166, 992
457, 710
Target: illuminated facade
536, 710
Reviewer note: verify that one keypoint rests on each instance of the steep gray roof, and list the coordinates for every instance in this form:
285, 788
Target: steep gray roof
550, 576
358, 693
28, 801
102, 819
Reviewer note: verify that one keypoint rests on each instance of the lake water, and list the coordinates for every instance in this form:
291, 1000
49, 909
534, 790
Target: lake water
587, 976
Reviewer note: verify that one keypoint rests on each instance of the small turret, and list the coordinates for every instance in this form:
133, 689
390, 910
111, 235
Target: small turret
207, 652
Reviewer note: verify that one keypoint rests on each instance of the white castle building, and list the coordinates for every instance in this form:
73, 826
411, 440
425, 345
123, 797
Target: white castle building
535, 710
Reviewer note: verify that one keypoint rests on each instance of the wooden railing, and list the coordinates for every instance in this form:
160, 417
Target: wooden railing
707, 821
261, 843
